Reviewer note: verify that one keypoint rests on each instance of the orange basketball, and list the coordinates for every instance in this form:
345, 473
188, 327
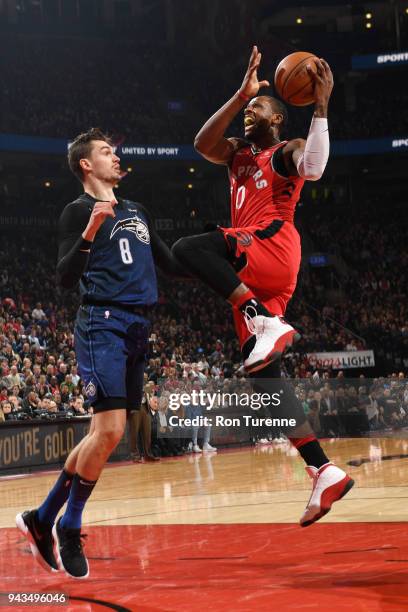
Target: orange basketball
292, 80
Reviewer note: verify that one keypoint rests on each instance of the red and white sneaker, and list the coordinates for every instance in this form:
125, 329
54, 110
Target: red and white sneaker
330, 484
273, 337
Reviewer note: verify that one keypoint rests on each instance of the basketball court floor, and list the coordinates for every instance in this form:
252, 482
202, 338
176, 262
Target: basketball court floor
219, 532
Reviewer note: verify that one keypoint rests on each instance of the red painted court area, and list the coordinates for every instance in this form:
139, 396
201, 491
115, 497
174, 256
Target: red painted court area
237, 568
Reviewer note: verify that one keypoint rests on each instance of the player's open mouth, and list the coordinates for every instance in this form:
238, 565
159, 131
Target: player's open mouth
249, 121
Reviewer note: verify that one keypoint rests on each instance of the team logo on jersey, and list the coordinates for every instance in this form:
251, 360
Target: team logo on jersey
90, 389
244, 239
134, 225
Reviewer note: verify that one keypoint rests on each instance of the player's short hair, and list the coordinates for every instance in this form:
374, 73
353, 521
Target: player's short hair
81, 147
278, 107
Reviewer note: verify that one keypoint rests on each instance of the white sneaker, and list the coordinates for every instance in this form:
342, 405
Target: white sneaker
273, 337
207, 447
330, 484
197, 449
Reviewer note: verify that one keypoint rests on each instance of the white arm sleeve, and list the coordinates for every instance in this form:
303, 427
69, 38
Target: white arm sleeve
312, 162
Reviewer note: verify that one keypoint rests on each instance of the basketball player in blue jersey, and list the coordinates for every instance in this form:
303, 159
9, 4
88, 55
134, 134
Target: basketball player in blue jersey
111, 247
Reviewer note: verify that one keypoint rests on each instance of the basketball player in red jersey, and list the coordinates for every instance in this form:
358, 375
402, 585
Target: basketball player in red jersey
254, 264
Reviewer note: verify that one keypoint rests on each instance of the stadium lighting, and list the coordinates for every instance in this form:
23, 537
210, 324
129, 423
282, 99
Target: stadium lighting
192, 170
190, 186
299, 20
406, 11
129, 169
47, 184
368, 15
369, 25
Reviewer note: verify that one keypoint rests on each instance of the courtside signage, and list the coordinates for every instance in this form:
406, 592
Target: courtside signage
383, 60
342, 360
60, 146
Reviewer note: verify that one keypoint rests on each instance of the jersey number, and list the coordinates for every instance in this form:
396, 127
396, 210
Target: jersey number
260, 183
125, 251
239, 200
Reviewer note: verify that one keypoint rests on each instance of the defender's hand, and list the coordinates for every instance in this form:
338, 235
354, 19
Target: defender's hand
100, 211
250, 85
323, 81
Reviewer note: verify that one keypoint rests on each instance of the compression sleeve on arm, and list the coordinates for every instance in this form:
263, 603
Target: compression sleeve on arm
164, 258
162, 255
313, 160
73, 250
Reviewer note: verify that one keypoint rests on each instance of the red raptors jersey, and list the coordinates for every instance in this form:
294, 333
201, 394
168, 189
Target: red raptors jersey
258, 193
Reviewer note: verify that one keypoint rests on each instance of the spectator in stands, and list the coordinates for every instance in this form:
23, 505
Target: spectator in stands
62, 372
195, 412
75, 378
153, 407
65, 395
38, 314
140, 425
6, 411
14, 378
78, 405
31, 404
15, 401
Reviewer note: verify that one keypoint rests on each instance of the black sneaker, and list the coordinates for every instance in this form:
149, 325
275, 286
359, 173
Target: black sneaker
39, 536
69, 551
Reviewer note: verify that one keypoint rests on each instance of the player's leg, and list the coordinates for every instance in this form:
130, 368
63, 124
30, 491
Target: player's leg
217, 258
36, 525
101, 353
330, 483
92, 456
71, 461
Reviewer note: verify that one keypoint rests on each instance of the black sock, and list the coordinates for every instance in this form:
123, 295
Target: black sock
313, 454
253, 307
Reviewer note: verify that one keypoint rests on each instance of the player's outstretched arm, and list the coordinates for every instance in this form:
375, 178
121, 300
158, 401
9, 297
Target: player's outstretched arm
77, 228
308, 158
210, 140
162, 255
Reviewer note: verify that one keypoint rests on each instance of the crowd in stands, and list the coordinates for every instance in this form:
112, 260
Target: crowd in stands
160, 94
355, 407
369, 307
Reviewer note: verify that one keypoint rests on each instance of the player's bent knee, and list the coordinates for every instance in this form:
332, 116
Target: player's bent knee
109, 438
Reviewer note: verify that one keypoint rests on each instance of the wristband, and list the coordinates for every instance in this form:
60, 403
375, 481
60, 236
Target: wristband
243, 96
84, 245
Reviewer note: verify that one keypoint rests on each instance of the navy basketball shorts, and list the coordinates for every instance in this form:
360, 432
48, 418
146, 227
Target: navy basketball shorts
111, 346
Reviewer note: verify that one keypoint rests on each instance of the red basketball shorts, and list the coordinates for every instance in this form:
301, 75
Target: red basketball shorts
267, 259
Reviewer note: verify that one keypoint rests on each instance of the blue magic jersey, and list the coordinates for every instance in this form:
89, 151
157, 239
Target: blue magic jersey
120, 267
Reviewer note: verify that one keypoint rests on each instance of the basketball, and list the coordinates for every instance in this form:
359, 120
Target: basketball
292, 80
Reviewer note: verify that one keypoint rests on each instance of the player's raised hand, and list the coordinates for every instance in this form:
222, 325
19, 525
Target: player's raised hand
250, 85
323, 81
100, 211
